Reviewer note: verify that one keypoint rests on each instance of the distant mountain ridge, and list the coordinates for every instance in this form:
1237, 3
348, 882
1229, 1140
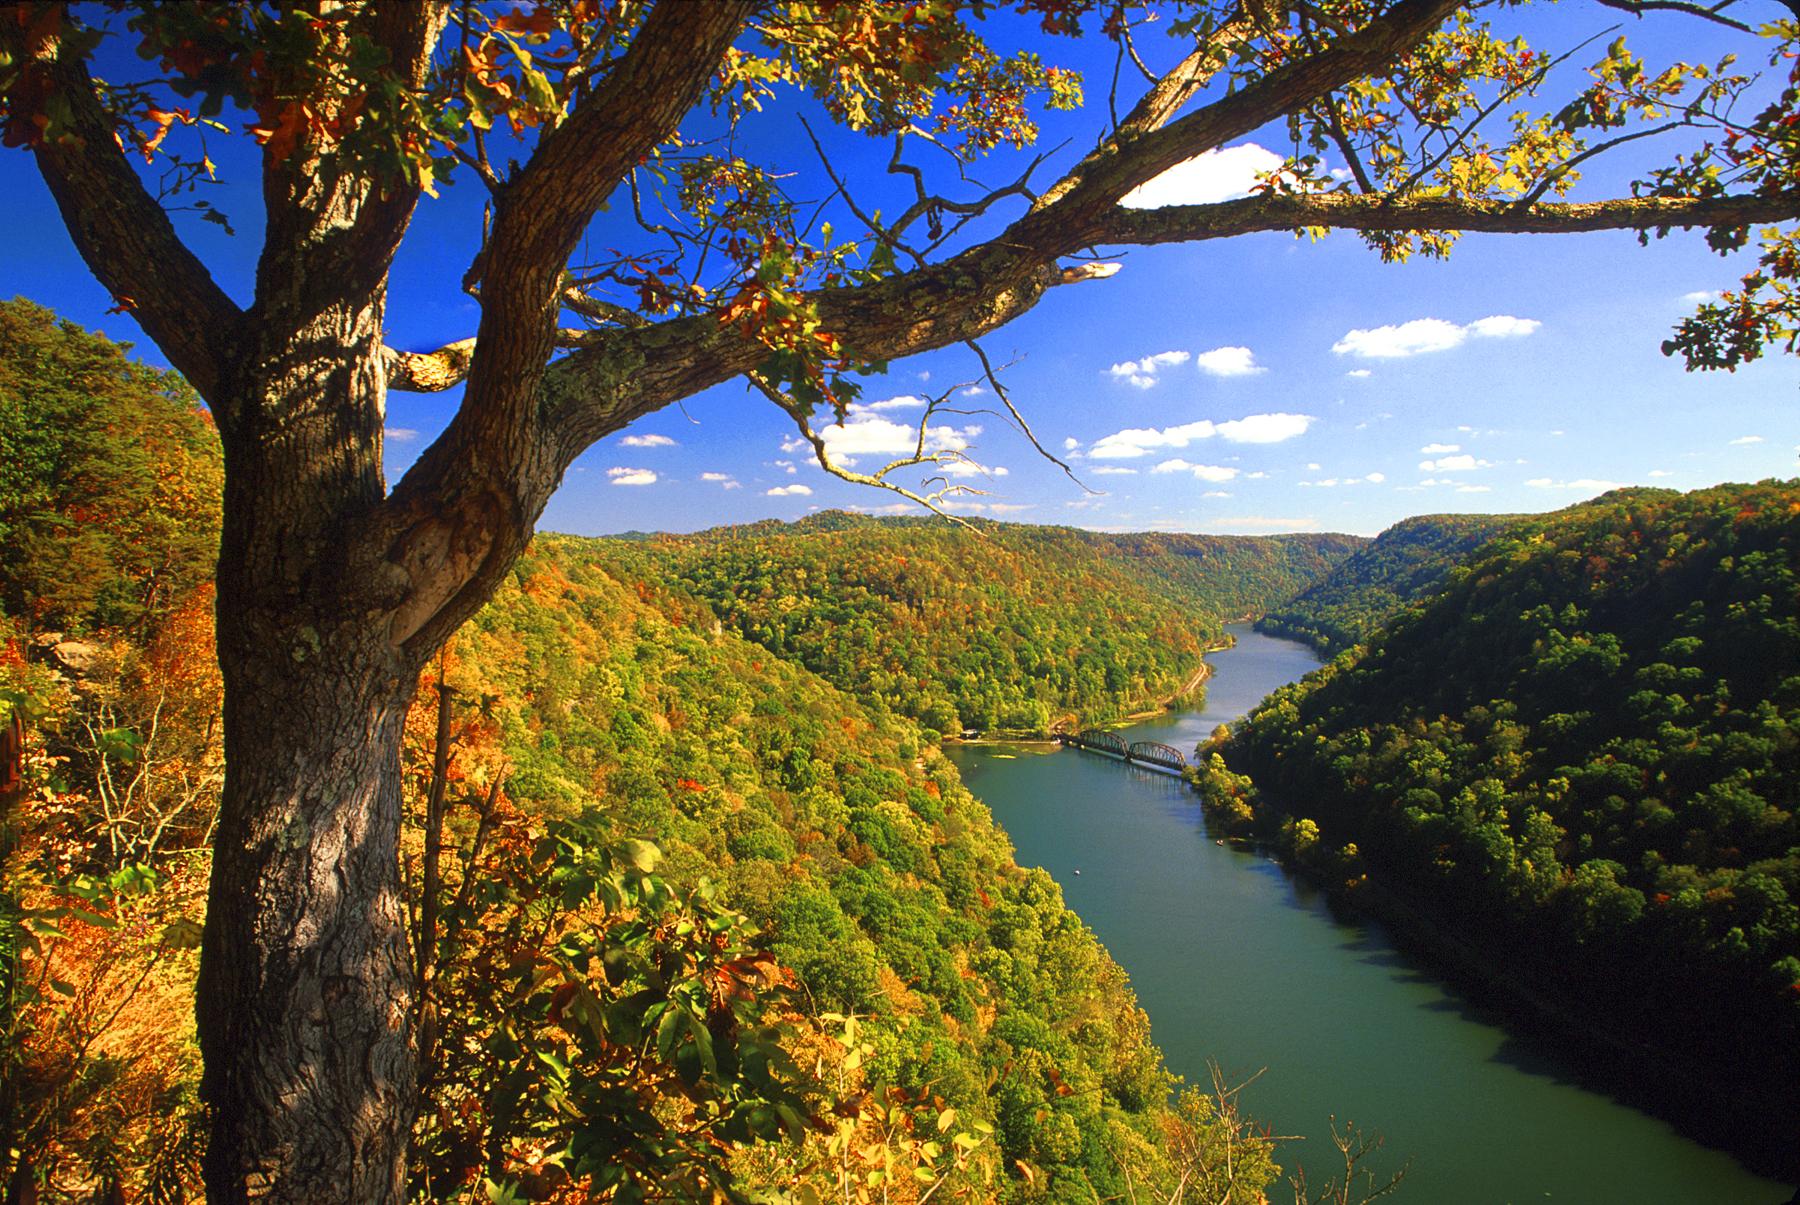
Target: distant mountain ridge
1003, 627
1398, 567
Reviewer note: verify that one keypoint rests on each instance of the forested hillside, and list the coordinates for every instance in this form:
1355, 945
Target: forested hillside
1583, 756
1364, 591
1004, 628
689, 922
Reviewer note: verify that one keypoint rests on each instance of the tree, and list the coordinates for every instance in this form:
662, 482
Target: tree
334, 591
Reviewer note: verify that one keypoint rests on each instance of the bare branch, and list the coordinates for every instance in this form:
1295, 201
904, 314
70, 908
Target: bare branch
886, 234
599, 310
1713, 13
1005, 396
1561, 170
1334, 123
932, 501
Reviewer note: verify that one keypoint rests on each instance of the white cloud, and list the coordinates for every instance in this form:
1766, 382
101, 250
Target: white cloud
1228, 362
1256, 476
1474, 489
723, 480
1215, 176
1114, 470
625, 476
967, 468
785, 491
1454, 464
1071, 443
1312, 467
1587, 484
1140, 441
401, 435
1746, 439
1423, 335
1204, 472
1408, 339
1331, 482
1358, 373
646, 441
1440, 449
1216, 494
905, 401
1661, 473
1502, 326
1143, 373
869, 435
1700, 296
972, 391
1256, 428
991, 508
1265, 428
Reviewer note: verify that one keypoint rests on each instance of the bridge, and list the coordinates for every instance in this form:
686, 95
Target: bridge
1138, 753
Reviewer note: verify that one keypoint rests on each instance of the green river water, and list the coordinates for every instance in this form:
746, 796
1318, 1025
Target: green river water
1238, 964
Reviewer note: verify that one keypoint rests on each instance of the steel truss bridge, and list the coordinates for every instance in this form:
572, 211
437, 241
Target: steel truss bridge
1137, 753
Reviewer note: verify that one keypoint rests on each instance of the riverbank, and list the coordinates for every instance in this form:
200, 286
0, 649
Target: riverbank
1758, 1123
1243, 966
1186, 693
1755, 1117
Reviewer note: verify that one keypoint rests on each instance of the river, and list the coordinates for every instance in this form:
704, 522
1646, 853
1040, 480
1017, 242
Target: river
1239, 964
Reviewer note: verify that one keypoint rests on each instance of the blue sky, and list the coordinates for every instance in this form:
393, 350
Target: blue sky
1257, 385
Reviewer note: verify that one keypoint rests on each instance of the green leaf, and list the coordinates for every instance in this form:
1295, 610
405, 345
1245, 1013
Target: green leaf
640, 855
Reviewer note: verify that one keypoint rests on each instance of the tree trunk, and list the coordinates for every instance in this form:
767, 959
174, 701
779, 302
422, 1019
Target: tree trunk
305, 978
306, 987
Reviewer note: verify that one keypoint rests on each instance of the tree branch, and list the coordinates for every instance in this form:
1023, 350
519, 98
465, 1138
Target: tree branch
497, 460
430, 371
332, 233
124, 236
1167, 95
1704, 12
1191, 223
933, 501
1122, 164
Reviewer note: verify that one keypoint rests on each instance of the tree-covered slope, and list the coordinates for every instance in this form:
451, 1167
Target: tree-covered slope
1007, 628
1584, 754
1400, 565
588, 1030
881, 882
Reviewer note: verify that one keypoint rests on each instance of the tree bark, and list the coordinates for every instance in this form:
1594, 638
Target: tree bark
305, 989
305, 983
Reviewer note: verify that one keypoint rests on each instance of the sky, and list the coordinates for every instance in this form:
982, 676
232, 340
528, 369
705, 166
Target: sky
1255, 385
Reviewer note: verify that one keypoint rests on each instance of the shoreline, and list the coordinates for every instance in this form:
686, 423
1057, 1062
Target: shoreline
1755, 1124
1199, 678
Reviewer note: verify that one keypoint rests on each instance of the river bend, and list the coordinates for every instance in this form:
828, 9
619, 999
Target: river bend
1237, 963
